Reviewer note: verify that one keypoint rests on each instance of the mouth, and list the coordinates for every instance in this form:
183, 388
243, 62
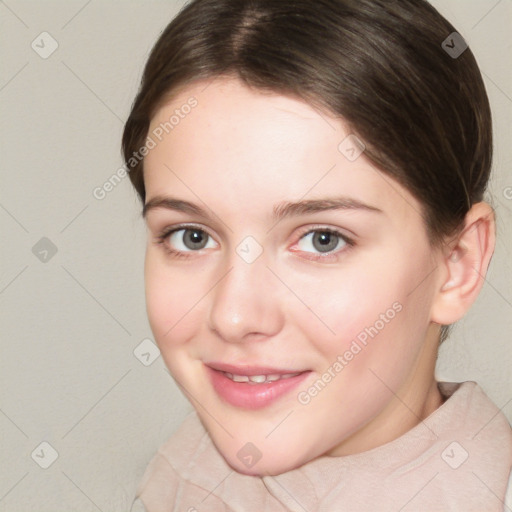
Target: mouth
252, 387
259, 379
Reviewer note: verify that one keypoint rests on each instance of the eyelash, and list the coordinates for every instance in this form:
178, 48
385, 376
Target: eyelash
162, 237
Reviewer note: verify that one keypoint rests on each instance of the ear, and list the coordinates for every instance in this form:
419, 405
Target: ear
463, 264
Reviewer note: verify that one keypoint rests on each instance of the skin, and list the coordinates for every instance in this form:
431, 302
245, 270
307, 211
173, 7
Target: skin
237, 154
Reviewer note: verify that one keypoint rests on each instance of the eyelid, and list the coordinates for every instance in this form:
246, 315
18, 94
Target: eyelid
302, 231
350, 239
171, 229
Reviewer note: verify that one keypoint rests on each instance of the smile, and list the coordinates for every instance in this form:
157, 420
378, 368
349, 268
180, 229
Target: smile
259, 379
253, 391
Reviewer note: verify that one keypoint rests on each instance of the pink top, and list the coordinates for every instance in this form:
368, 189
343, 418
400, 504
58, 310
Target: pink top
458, 459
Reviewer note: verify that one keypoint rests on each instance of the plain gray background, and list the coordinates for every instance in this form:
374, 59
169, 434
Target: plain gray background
72, 319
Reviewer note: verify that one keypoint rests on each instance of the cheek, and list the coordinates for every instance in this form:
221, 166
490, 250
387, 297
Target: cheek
172, 301
341, 303
370, 304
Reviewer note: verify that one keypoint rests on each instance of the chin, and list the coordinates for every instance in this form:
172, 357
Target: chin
261, 468
263, 459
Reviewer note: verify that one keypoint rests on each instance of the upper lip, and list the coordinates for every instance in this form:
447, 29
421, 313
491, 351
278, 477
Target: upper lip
251, 369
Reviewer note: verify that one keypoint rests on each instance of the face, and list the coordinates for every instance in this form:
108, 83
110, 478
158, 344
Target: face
288, 281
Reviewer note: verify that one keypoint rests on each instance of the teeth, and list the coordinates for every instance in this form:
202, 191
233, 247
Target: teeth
259, 379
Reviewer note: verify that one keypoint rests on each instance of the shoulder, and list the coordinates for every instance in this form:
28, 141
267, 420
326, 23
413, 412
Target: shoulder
163, 476
185, 442
480, 438
182, 472
469, 408
508, 496
137, 506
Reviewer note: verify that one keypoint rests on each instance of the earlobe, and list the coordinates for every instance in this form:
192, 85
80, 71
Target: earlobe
464, 265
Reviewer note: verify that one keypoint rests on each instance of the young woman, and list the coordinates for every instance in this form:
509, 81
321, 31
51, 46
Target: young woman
312, 178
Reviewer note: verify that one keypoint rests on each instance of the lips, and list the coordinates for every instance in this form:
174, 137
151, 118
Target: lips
253, 387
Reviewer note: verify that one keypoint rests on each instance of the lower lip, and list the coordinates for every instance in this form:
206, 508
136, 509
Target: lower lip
252, 396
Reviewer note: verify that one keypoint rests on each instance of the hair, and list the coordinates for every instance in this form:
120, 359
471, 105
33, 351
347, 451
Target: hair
423, 114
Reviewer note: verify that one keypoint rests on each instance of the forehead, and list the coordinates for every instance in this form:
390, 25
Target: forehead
241, 121
255, 146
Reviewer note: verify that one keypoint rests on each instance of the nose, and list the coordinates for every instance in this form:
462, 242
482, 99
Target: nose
245, 302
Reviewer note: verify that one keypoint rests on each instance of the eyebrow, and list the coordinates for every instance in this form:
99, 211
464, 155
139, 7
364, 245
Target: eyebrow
280, 210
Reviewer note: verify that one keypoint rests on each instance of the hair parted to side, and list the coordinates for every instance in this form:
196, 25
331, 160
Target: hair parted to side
377, 64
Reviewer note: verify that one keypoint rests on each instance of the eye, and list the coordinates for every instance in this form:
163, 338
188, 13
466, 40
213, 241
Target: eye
188, 239
323, 241
181, 242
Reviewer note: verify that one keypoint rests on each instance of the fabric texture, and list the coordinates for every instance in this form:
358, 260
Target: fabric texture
458, 459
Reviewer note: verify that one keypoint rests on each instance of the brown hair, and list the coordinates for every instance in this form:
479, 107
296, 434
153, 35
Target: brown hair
422, 113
